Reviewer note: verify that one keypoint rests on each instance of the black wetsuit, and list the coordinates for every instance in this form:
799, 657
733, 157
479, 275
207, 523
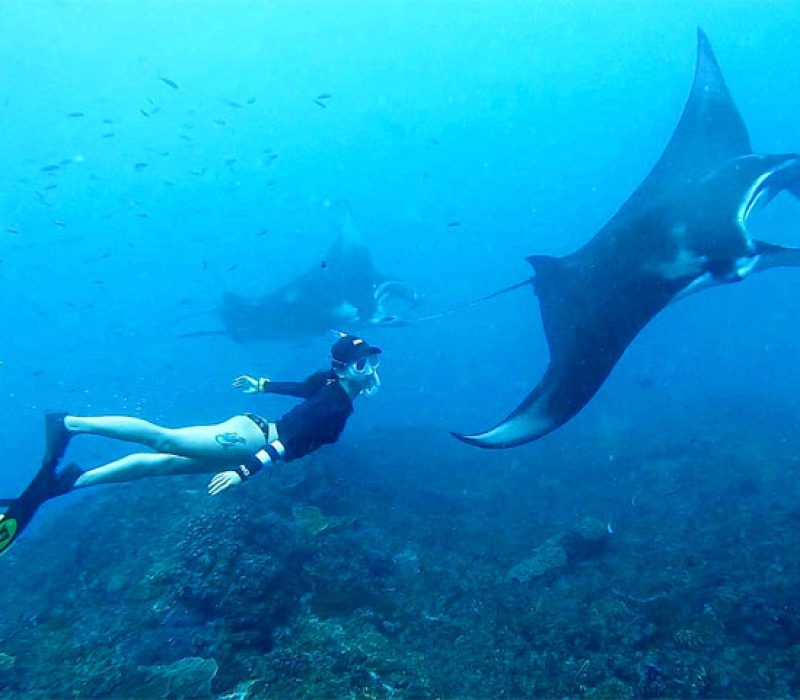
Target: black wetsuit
319, 420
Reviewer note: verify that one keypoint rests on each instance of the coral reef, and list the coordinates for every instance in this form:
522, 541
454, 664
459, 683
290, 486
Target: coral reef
669, 571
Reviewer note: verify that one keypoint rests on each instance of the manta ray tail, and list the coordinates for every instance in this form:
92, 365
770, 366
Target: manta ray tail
472, 302
770, 256
200, 334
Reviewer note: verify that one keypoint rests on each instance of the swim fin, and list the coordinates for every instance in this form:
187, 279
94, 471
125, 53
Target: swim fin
56, 438
45, 485
8, 532
20, 511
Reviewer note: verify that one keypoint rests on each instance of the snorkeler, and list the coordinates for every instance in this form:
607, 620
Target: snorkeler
236, 449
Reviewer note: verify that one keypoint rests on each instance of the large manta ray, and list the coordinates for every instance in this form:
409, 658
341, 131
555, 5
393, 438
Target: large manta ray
342, 290
681, 231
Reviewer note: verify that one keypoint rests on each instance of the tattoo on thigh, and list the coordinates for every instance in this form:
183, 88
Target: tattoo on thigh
229, 439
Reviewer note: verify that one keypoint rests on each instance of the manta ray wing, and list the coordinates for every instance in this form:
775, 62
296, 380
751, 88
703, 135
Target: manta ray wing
709, 133
586, 335
595, 301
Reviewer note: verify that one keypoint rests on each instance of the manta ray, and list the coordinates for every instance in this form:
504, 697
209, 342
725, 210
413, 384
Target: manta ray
684, 229
343, 289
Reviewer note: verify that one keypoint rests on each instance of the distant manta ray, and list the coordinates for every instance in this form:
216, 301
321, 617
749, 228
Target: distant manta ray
342, 290
683, 230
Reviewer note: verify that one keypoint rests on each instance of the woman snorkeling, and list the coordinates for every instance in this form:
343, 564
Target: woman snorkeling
233, 450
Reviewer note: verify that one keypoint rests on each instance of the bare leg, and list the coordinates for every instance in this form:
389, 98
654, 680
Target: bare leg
231, 441
142, 466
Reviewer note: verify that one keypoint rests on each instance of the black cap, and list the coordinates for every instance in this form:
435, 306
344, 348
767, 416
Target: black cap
350, 348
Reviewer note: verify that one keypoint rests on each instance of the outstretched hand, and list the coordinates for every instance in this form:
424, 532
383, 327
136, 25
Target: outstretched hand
248, 384
222, 481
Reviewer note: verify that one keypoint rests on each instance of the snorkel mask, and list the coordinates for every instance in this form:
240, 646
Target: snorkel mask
364, 372
355, 361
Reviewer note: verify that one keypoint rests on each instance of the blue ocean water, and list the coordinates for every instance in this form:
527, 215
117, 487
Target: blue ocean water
157, 154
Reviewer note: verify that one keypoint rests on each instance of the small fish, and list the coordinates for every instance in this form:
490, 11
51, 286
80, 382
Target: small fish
59, 223
66, 161
263, 232
324, 96
454, 224
12, 229
251, 101
140, 166
185, 137
230, 161
51, 187
171, 83
49, 168
108, 135
150, 100
220, 122
234, 104
144, 113
76, 115
321, 104
273, 157
108, 121
323, 264
98, 282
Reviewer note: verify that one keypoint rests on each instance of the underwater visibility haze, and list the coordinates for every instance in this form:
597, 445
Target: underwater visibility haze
196, 191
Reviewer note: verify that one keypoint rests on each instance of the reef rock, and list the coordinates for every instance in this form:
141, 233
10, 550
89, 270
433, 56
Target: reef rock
313, 521
549, 557
587, 538
188, 678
